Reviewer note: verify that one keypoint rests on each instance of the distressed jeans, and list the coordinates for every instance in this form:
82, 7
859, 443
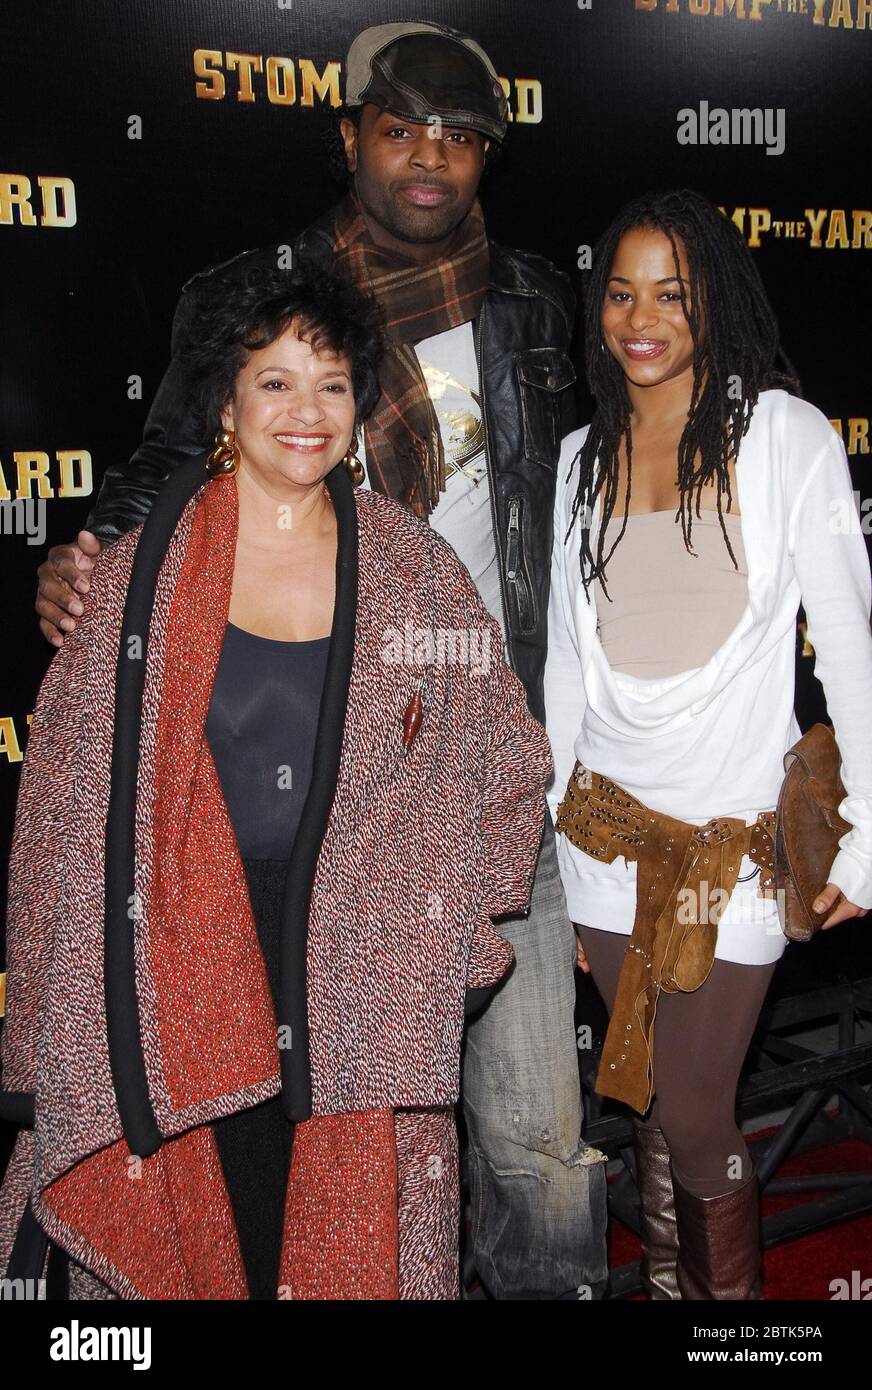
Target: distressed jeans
538, 1191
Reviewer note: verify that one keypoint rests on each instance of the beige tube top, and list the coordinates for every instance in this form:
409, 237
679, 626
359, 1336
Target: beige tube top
670, 610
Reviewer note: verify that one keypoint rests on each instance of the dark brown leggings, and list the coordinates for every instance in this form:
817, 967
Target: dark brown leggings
700, 1041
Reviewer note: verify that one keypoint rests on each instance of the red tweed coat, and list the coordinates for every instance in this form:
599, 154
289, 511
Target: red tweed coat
419, 852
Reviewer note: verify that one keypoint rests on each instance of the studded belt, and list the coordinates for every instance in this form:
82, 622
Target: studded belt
685, 876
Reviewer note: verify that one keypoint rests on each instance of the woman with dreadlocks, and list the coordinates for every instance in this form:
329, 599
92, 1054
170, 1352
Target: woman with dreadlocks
694, 513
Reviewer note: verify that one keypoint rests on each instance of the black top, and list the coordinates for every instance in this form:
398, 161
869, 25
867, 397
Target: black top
261, 727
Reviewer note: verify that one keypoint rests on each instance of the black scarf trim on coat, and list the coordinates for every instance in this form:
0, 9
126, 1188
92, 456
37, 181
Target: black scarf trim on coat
126, 1054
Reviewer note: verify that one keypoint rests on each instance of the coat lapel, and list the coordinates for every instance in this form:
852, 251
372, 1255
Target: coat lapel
127, 1059
293, 1013
126, 1055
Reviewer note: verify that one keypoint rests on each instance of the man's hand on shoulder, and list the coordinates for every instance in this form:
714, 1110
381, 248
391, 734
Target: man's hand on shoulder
63, 576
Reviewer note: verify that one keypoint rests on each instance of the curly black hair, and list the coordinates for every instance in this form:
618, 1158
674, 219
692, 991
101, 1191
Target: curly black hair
250, 304
732, 362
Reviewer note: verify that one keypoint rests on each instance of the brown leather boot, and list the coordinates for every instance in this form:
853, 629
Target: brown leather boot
658, 1231
720, 1246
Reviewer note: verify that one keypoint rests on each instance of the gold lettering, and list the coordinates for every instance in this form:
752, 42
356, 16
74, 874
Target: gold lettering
646, 4
815, 221
738, 5
69, 460
864, 12
246, 64
58, 202
756, 8
327, 84
9, 745
841, 13
32, 467
862, 237
819, 16
858, 436
15, 192
213, 86
838, 230
528, 101
761, 220
700, 6
281, 81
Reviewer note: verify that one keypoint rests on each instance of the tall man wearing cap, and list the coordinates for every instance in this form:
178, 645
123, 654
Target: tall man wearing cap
476, 395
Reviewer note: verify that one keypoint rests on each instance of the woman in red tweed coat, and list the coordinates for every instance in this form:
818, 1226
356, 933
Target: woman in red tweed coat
235, 1064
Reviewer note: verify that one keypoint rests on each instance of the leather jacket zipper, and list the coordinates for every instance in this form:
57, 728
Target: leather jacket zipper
476, 338
516, 574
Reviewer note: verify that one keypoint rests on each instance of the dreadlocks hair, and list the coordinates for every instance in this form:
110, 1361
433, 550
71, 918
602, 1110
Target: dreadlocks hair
733, 361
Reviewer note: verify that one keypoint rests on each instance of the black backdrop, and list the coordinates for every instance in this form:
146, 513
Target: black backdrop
89, 285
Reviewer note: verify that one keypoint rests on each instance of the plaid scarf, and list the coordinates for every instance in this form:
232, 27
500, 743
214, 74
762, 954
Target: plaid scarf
404, 453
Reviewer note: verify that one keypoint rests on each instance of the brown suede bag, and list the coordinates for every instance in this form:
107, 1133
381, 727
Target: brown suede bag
808, 828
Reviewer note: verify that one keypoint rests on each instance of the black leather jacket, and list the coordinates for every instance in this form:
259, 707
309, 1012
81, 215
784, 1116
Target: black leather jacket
522, 337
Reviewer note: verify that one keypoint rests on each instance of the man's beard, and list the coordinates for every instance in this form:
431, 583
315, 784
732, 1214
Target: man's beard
408, 223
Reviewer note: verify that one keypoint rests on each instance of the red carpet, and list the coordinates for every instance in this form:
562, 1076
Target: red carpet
800, 1269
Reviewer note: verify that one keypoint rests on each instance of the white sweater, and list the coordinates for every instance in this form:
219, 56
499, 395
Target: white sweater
711, 741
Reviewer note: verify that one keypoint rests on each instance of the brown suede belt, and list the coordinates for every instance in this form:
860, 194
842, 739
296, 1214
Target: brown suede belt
672, 946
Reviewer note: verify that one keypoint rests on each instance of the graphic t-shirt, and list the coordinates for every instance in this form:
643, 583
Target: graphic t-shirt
463, 512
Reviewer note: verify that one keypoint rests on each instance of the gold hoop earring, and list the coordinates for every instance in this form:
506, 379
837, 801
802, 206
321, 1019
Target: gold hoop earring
223, 461
352, 463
